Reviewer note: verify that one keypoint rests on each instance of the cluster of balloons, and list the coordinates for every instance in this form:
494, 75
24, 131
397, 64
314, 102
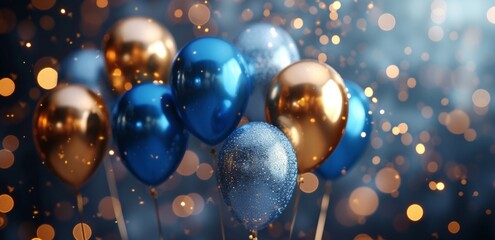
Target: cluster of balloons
299, 110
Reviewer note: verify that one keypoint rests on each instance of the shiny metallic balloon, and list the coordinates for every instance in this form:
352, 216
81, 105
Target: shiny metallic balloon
138, 50
211, 85
150, 136
308, 102
356, 136
71, 131
269, 49
257, 173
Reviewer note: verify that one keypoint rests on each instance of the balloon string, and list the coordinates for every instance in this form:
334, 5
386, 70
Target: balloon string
117, 208
214, 158
153, 194
323, 211
80, 209
296, 206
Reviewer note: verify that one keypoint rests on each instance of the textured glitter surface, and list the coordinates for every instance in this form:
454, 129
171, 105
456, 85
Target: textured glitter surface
269, 49
257, 173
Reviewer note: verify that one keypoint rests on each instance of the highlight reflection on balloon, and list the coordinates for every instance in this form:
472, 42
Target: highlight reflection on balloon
308, 102
71, 131
356, 136
138, 50
150, 135
269, 49
257, 172
211, 85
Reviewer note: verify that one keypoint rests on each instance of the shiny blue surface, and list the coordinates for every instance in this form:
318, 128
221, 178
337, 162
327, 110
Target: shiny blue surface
356, 136
211, 85
150, 136
87, 67
257, 173
268, 49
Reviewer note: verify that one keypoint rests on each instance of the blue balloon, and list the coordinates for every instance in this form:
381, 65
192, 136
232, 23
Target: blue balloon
150, 136
356, 136
257, 173
211, 85
87, 67
268, 49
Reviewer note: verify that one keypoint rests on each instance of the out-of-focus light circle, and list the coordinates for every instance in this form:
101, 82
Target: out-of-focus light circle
106, 207
47, 78
386, 22
199, 14
457, 121
10, 142
387, 180
420, 148
414, 212
454, 227
183, 206
363, 201
297, 23
392, 71
205, 171
45, 232
481, 98
6, 158
490, 15
310, 182
77, 231
435, 33
363, 236
43, 4
189, 164
199, 203
7, 87
6, 203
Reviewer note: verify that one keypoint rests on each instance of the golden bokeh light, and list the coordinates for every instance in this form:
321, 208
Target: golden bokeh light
6, 203
454, 227
3, 221
297, 23
490, 15
432, 185
199, 14
440, 186
386, 22
309, 182
77, 231
45, 232
43, 4
387, 180
435, 33
189, 164
363, 201
324, 40
106, 207
392, 71
47, 78
6, 158
205, 171
363, 236
199, 203
335, 39
7, 87
10, 142
368, 92
457, 121
8, 20
420, 148
470, 135
481, 98
414, 212
102, 3
183, 206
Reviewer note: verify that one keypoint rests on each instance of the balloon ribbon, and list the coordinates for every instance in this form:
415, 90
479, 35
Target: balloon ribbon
324, 210
80, 209
117, 208
296, 205
154, 194
214, 158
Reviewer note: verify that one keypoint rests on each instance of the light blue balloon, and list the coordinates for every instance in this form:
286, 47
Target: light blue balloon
211, 85
356, 136
257, 173
150, 136
269, 49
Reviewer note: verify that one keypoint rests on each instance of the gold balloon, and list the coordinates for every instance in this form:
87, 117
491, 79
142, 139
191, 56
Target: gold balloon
71, 131
308, 102
138, 50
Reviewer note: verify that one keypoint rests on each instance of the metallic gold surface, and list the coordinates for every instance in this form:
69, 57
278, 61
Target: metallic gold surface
71, 131
138, 50
308, 102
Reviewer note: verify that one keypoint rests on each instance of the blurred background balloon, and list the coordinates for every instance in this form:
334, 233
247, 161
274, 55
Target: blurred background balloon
138, 50
308, 102
211, 85
356, 136
268, 49
71, 130
257, 172
149, 134
87, 67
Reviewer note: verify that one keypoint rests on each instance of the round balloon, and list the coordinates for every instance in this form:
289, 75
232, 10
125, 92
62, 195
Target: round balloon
268, 49
150, 136
257, 173
308, 102
71, 131
87, 67
210, 84
356, 136
137, 50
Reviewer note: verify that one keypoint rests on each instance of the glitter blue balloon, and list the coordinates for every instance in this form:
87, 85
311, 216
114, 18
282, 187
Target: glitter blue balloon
211, 85
150, 136
356, 136
257, 173
87, 67
268, 49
